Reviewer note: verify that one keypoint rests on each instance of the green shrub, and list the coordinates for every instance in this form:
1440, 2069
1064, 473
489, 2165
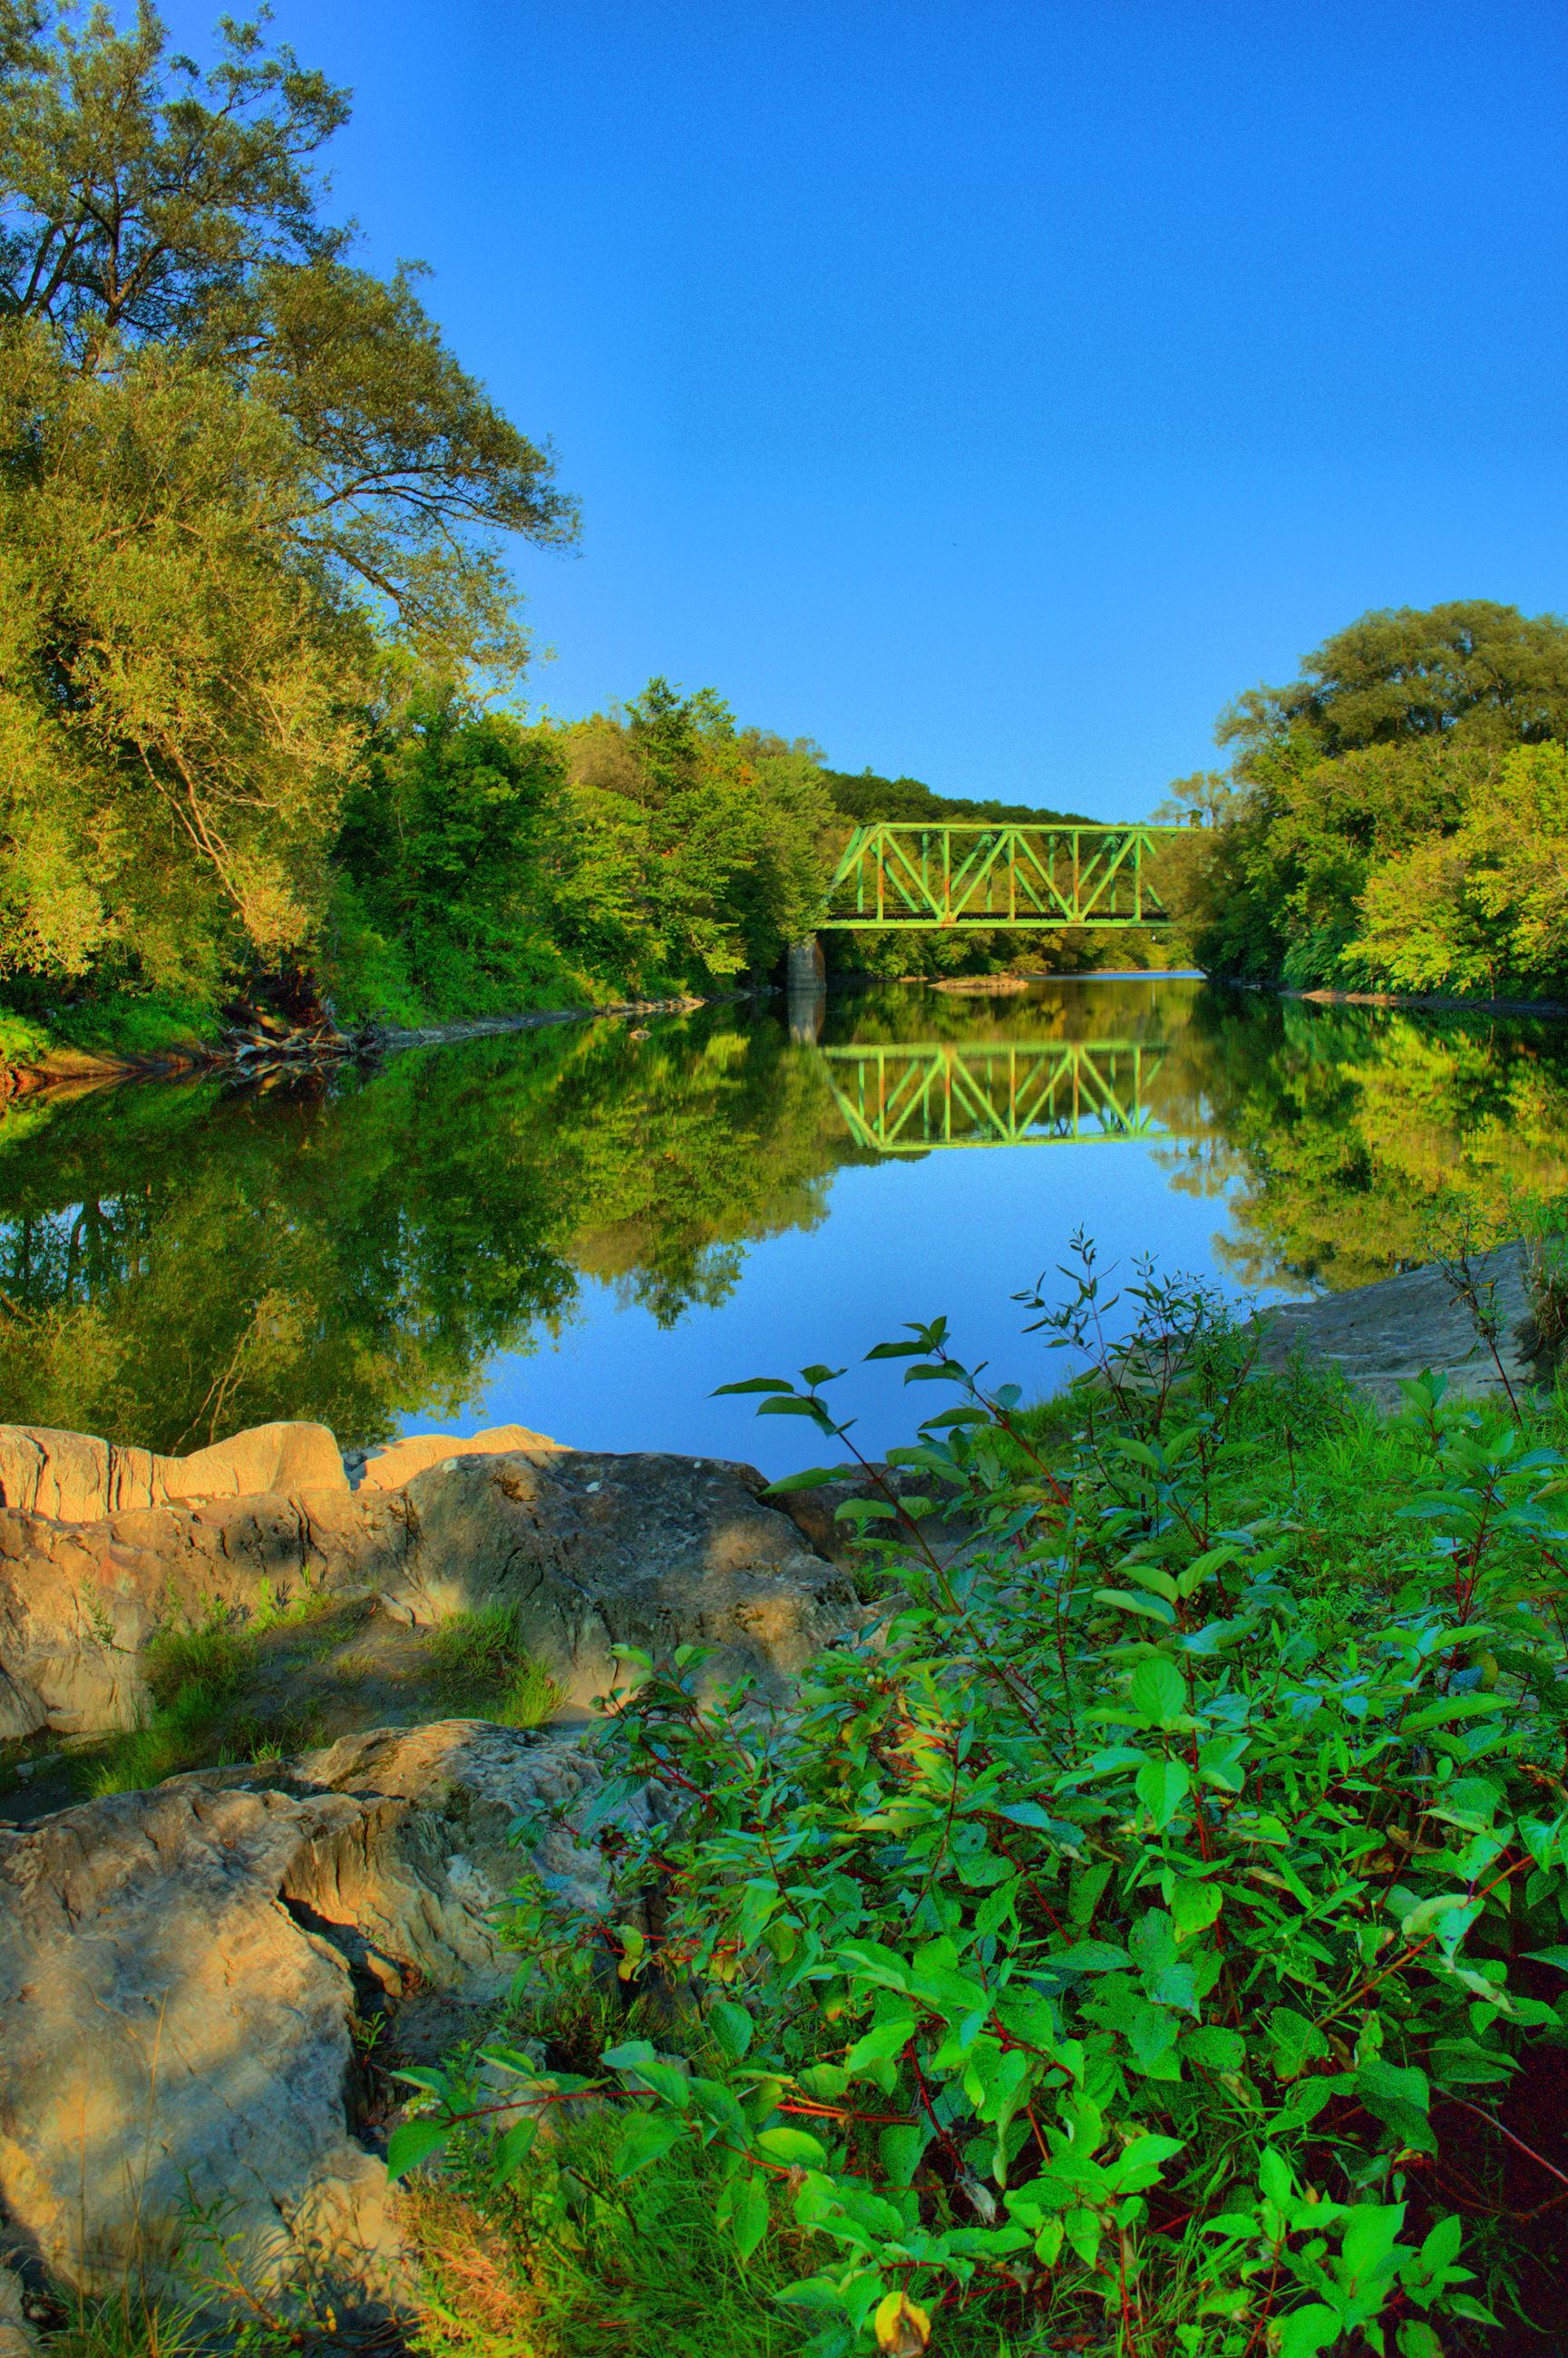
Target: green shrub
1130, 1942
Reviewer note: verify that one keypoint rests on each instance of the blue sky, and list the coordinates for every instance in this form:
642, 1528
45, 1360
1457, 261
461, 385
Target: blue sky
989, 391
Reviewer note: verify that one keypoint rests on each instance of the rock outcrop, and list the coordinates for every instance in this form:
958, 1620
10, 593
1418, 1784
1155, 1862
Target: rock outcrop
590, 1552
391, 1468
1379, 1336
180, 1976
73, 1478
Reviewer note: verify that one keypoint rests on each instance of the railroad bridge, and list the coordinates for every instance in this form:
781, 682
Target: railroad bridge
912, 876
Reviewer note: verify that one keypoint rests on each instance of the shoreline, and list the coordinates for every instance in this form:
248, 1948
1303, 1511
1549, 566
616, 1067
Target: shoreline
76, 1071
1323, 997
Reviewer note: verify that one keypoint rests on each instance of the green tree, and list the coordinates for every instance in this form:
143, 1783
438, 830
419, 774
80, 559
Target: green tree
1470, 668
451, 861
1362, 770
234, 467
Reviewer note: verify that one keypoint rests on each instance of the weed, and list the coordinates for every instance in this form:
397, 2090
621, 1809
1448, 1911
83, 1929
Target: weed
1147, 1941
482, 1665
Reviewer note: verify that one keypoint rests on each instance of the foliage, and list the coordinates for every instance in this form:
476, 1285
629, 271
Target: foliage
1395, 817
234, 470
451, 860
863, 794
698, 849
1128, 1940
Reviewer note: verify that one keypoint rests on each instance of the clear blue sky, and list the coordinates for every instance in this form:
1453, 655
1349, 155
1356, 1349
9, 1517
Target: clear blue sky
990, 391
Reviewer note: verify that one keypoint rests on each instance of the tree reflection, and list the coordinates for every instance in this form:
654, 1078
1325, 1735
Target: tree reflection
178, 1260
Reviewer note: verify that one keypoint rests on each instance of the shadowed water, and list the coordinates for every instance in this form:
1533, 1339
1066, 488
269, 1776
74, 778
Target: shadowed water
585, 1229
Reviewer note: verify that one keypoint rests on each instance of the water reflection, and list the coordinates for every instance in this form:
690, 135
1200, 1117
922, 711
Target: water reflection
740, 1187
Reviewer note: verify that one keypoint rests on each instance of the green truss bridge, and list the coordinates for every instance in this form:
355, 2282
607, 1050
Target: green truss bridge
921, 1095
907, 876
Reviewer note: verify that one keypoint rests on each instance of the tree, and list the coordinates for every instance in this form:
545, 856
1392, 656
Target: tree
235, 469
1470, 669
1360, 772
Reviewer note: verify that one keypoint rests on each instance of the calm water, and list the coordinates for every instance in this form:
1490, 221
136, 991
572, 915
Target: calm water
585, 1230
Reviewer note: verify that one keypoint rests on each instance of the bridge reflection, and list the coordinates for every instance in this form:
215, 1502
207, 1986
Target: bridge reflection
916, 1097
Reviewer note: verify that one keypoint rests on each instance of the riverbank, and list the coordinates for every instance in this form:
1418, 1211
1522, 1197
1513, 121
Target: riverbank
1381, 1336
53, 1066
1452, 1001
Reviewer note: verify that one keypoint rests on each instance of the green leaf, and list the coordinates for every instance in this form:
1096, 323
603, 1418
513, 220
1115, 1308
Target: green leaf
1308, 2331
646, 2138
749, 2212
752, 1384
797, 2149
813, 1479
1162, 1786
1214, 2049
1152, 1609
415, 2142
512, 2150
1158, 1690
901, 2146
1089, 1957
881, 2043
1462, 1706
732, 2026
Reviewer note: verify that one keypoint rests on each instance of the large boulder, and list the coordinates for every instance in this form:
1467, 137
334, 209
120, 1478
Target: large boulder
590, 1552
76, 1478
181, 1972
81, 1602
1381, 1336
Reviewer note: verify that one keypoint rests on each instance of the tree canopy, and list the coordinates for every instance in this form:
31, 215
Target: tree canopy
1394, 817
238, 475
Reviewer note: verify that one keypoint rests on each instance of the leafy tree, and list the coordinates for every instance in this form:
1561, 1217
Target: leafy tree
1361, 772
698, 846
1471, 668
453, 840
232, 466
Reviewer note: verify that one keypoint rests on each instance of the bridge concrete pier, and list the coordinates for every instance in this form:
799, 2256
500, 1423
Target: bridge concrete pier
807, 967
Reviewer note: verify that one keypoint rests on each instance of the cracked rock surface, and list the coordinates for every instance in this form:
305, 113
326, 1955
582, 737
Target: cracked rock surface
180, 1971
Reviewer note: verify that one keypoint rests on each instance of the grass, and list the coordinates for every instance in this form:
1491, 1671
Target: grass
636, 2269
119, 1024
480, 1665
196, 1676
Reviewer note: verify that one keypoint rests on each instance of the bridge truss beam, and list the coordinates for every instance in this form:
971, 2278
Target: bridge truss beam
911, 1099
894, 873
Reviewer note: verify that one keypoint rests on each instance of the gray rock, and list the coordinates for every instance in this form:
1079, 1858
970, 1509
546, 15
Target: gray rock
179, 1971
1380, 1335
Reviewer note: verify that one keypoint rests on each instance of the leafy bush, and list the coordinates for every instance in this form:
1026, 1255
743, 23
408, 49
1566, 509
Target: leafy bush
1130, 1942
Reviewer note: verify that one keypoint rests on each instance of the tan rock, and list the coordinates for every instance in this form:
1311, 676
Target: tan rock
589, 1551
76, 1478
391, 1468
179, 1971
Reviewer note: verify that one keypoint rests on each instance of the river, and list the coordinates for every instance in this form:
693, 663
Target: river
586, 1227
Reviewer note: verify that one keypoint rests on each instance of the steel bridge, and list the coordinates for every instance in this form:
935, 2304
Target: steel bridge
911, 1099
896, 873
